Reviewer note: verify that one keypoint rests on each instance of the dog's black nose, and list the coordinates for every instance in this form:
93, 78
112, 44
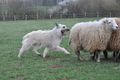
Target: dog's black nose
67, 29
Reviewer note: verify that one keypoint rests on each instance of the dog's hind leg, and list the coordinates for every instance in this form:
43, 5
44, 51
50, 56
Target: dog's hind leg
58, 48
36, 47
24, 47
46, 51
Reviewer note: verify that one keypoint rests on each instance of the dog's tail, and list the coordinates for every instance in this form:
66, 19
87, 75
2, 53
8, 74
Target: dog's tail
24, 41
26, 36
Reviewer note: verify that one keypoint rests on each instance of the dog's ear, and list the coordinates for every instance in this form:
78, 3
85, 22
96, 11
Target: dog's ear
56, 24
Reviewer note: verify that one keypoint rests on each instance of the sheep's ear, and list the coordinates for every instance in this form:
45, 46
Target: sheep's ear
105, 20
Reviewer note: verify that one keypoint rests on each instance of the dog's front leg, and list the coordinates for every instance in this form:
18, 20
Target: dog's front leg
46, 51
58, 48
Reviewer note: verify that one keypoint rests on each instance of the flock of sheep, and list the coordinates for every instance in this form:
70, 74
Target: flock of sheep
96, 36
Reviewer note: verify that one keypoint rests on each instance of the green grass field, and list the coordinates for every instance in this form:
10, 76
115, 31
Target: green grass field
57, 65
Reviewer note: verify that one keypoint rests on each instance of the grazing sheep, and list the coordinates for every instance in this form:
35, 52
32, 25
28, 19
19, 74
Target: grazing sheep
114, 43
91, 36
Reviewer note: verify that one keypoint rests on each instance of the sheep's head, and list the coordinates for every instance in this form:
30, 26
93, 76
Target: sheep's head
111, 22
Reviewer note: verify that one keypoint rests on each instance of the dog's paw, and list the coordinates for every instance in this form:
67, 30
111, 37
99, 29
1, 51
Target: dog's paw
39, 55
67, 53
19, 56
43, 56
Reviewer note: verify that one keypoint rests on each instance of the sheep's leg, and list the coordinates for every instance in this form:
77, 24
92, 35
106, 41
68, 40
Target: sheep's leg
116, 56
119, 56
95, 55
105, 54
79, 56
98, 58
92, 55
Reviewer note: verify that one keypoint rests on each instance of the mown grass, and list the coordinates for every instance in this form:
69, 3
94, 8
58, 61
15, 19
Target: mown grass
57, 65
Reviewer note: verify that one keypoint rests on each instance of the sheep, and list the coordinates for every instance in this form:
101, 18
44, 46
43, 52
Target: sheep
91, 36
114, 43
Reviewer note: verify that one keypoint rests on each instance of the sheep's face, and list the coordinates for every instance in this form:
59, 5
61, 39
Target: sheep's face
111, 22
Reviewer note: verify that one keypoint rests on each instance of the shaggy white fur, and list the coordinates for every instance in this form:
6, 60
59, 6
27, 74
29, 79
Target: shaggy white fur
91, 36
48, 38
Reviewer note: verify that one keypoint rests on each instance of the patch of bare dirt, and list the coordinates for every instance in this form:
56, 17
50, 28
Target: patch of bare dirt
2, 57
55, 66
53, 58
116, 67
65, 78
38, 56
18, 63
59, 79
26, 56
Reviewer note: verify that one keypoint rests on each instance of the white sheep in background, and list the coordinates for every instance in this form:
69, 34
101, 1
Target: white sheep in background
91, 36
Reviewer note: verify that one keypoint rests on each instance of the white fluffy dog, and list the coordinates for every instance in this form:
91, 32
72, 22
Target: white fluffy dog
49, 39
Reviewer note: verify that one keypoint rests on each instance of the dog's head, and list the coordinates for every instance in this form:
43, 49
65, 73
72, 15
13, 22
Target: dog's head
63, 29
